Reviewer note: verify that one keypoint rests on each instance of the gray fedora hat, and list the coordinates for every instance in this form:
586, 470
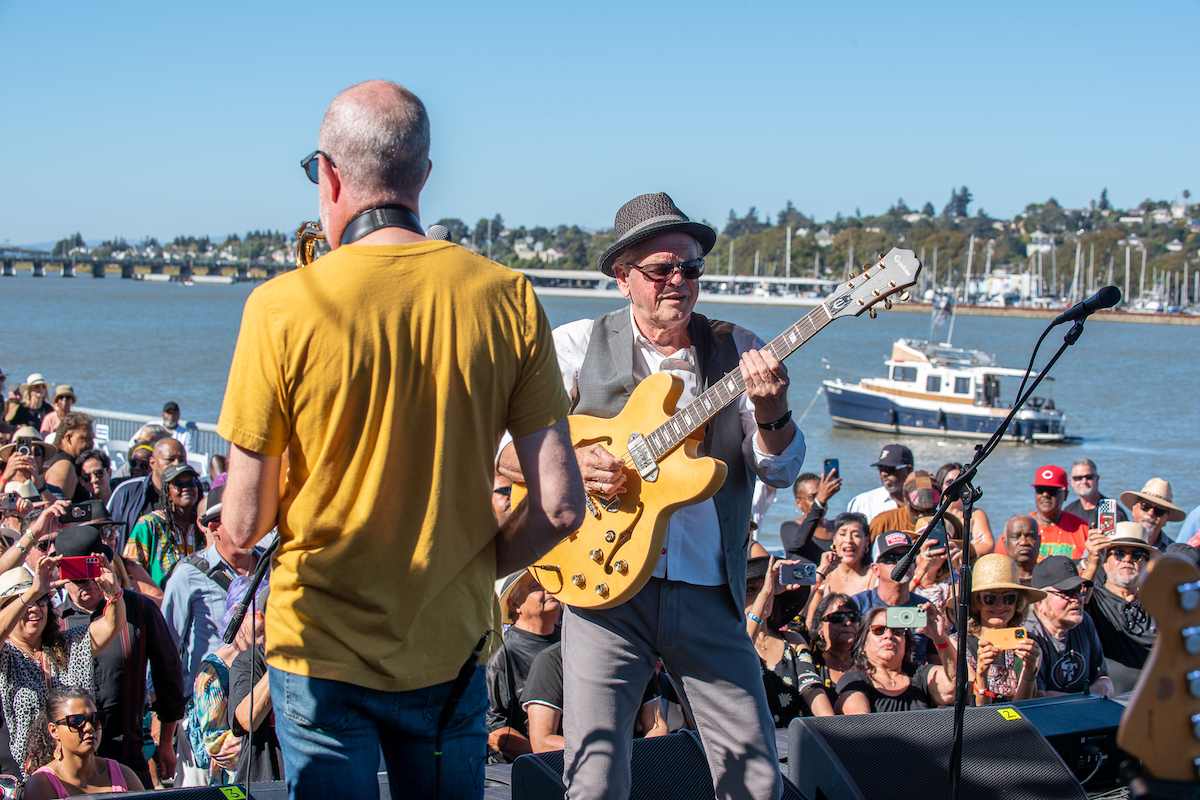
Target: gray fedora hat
647, 216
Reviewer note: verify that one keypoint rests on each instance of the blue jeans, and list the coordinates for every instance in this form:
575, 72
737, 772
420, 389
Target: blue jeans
331, 734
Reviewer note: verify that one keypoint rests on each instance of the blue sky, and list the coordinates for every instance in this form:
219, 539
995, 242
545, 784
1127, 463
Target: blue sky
162, 119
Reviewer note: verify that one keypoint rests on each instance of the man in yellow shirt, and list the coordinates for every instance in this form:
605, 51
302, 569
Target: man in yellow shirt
387, 372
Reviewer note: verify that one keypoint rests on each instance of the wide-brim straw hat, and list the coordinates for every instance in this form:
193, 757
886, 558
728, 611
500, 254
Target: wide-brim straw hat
506, 591
1158, 492
1130, 534
12, 583
36, 379
994, 571
27, 432
647, 216
64, 390
954, 525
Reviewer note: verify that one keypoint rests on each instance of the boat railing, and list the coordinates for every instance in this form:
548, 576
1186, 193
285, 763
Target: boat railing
121, 426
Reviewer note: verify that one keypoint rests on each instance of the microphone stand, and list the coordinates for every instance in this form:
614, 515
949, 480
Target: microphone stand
963, 488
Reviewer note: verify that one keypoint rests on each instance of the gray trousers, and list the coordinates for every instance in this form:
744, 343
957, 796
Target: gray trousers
608, 658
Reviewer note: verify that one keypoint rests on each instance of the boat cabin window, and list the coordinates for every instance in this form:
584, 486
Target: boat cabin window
962, 385
906, 374
933, 383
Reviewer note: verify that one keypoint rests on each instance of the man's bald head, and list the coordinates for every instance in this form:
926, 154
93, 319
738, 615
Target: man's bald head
377, 135
1022, 541
165, 453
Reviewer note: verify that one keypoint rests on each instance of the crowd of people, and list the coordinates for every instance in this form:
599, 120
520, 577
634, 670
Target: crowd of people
117, 678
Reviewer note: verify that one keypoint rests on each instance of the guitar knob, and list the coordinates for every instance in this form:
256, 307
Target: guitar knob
622, 568
904, 296
610, 537
578, 580
872, 313
597, 555
1193, 678
602, 589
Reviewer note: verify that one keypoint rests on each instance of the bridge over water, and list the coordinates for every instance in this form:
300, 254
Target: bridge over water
69, 266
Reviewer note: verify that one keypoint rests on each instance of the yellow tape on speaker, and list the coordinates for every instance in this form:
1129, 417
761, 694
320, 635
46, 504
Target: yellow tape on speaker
233, 792
1009, 713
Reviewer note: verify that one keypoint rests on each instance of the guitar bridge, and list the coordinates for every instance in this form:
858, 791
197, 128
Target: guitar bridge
639, 451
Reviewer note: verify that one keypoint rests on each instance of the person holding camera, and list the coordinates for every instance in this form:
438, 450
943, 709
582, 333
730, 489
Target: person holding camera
24, 460
811, 536
788, 673
36, 656
886, 676
886, 553
1003, 660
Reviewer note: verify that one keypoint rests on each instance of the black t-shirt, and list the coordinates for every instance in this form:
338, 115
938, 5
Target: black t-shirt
800, 539
915, 696
1071, 664
1092, 518
1126, 634
24, 415
545, 684
263, 761
507, 671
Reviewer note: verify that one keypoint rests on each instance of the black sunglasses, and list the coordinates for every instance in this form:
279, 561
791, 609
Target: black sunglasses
1149, 509
842, 617
1091, 476
1046, 490
94, 475
1134, 555
504, 490
1071, 594
991, 599
190, 483
891, 559
76, 721
312, 167
660, 273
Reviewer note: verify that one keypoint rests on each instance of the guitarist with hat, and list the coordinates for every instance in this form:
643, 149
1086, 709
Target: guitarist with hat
690, 612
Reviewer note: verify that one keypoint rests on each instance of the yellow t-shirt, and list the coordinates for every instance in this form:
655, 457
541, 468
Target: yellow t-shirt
389, 373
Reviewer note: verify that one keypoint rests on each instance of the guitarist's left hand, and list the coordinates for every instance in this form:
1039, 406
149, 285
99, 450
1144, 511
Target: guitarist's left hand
766, 380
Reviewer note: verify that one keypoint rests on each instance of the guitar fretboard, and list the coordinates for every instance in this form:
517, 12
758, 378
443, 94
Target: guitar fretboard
687, 419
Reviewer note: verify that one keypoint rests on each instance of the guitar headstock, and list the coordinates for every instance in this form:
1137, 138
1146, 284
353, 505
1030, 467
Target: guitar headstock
1161, 724
891, 274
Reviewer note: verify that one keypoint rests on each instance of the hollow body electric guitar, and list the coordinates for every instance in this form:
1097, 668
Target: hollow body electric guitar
615, 551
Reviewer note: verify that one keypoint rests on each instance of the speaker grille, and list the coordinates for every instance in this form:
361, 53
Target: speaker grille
907, 755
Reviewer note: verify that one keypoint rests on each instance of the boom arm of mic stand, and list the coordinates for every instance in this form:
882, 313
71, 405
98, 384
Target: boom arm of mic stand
264, 563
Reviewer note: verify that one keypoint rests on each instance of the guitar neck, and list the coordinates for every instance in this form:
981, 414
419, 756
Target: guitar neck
698, 412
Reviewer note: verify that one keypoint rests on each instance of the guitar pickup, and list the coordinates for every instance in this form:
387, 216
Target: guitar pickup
639, 451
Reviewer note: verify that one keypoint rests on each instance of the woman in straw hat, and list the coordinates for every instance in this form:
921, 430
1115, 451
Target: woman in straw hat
789, 676
32, 408
998, 600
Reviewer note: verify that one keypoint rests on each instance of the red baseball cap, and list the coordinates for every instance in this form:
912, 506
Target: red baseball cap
1050, 476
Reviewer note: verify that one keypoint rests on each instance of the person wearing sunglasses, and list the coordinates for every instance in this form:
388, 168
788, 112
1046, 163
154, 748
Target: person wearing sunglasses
895, 463
886, 676
138, 496
1152, 509
887, 551
1072, 656
38, 655
66, 736
170, 532
94, 470
1062, 534
999, 600
1085, 480
27, 468
1125, 628
789, 675
837, 623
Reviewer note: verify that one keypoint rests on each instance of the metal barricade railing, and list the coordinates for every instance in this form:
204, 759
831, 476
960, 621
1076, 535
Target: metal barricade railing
123, 426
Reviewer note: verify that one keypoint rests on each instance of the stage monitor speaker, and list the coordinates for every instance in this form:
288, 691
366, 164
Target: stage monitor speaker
232, 792
1082, 729
906, 755
662, 768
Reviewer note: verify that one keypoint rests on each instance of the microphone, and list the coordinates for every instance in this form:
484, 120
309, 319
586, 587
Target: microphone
438, 232
1107, 297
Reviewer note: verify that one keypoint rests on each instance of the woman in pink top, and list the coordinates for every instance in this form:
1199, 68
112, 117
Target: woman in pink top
63, 743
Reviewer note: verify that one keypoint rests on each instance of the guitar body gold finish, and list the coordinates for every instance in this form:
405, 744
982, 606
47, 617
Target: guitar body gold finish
618, 545
1157, 725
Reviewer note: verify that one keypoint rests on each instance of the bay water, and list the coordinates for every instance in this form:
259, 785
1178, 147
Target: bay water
1129, 389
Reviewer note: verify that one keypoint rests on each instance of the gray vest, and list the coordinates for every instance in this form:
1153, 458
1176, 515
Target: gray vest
606, 381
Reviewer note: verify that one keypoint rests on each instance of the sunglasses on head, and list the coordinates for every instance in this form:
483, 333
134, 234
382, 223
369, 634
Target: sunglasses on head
1134, 555
312, 166
991, 598
1152, 509
842, 617
660, 273
76, 721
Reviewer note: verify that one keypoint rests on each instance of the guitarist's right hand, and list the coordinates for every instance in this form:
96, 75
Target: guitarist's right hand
603, 473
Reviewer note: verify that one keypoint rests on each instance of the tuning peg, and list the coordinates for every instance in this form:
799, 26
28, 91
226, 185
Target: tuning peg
888, 304
880, 256
872, 313
904, 296
850, 276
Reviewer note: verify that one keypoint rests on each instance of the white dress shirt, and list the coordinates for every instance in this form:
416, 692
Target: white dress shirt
692, 549
872, 503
